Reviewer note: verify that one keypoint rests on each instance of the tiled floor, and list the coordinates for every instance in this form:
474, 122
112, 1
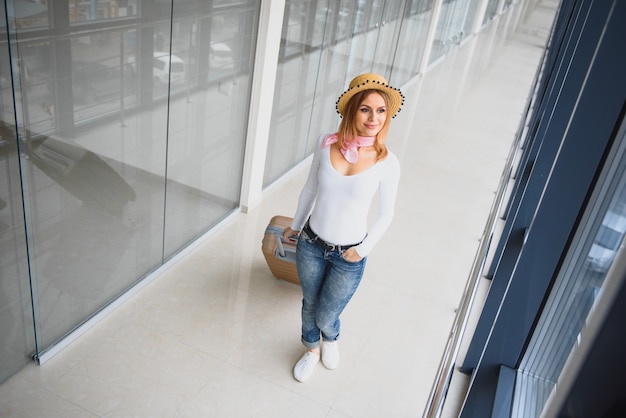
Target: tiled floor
216, 335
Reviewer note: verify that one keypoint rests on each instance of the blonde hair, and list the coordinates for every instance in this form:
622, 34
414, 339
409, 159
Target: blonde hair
347, 127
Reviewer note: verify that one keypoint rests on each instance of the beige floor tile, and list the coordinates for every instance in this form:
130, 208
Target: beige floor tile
241, 394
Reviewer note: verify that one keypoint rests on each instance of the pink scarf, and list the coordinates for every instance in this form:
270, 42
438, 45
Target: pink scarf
350, 149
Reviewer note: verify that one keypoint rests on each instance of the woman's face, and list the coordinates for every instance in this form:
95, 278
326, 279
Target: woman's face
371, 115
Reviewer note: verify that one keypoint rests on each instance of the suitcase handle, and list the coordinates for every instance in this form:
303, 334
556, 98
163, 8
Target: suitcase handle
278, 235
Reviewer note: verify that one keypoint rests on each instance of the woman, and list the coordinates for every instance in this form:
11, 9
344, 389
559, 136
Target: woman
348, 168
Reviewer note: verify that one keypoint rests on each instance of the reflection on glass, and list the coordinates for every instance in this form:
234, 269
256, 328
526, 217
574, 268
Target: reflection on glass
24, 14
95, 81
222, 46
132, 145
412, 40
576, 289
84, 227
17, 337
450, 27
94, 10
207, 126
363, 44
607, 241
81, 173
470, 21
390, 22
492, 11
102, 75
33, 89
296, 89
168, 68
295, 27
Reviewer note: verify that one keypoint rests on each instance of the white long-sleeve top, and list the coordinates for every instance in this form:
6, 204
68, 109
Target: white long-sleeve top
339, 205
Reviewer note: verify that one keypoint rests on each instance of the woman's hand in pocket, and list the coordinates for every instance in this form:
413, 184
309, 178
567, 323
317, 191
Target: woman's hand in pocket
351, 255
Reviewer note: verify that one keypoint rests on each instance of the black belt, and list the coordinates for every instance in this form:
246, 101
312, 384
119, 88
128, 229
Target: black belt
325, 245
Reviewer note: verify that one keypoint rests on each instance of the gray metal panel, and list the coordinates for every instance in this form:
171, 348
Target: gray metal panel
551, 118
575, 133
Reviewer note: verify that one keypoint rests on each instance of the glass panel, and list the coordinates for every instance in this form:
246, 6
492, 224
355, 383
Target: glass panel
492, 9
102, 74
115, 119
34, 86
389, 28
576, 288
94, 10
412, 40
298, 26
364, 41
449, 27
344, 20
93, 180
472, 11
334, 62
207, 127
303, 26
295, 91
24, 15
17, 337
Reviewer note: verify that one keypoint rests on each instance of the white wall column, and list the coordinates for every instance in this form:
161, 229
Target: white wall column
263, 82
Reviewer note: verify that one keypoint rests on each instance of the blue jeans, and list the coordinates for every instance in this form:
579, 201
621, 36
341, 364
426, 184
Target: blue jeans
328, 283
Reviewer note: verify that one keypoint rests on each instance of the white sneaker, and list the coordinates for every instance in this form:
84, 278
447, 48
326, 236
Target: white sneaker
330, 354
305, 366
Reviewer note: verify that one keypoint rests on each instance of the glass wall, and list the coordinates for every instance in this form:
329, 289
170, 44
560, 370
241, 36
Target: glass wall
326, 43
124, 123
454, 24
296, 83
411, 41
492, 11
208, 122
17, 338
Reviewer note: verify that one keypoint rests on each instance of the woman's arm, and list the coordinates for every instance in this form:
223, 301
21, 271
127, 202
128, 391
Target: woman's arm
388, 191
308, 194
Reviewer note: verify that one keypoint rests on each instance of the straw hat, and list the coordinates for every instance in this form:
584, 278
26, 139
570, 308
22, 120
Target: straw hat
371, 82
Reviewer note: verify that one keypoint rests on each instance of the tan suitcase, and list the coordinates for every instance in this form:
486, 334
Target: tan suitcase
280, 255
